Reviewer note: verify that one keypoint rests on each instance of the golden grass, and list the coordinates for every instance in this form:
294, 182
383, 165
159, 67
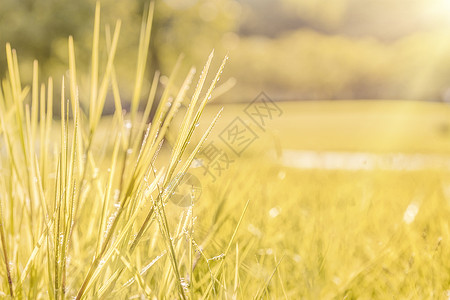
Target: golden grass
75, 216
340, 234
86, 211
379, 126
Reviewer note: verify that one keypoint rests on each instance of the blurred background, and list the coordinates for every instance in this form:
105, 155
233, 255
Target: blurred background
291, 49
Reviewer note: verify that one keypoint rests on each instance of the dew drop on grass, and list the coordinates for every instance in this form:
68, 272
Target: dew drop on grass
116, 195
410, 213
274, 212
185, 284
96, 171
101, 263
218, 257
253, 230
336, 280
128, 124
266, 251
110, 222
197, 163
129, 151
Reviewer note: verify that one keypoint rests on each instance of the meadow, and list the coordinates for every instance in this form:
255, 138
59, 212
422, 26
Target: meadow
364, 233
339, 234
90, 203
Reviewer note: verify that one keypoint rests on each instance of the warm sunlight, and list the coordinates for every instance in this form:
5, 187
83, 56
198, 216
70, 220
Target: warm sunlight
437, 11
226, 149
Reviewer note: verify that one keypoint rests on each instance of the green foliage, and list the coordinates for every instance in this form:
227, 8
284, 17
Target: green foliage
290, 49
40, 29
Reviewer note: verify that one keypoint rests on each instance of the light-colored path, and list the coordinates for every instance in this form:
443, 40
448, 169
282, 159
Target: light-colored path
363, 161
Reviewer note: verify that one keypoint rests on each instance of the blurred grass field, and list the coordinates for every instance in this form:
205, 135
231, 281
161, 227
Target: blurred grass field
367, 234
341, 234
380, 126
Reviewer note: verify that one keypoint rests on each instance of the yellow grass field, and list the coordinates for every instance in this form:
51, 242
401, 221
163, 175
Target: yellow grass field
310, 200
336, 234
318, 233
364, 125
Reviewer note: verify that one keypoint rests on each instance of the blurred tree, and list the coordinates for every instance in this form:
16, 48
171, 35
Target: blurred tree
38, 29
192, 28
